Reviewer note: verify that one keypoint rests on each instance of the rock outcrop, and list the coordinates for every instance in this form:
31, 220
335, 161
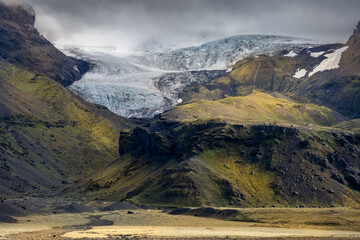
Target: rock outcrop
22, 45
350, 61
218, 164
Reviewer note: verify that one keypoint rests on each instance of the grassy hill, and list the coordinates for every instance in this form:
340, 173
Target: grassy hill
257, 136
338, 89
253, 150
256, 108
49, 137
212, 163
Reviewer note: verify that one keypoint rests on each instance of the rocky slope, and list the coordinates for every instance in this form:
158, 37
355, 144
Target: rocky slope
272, 131
49, 137
255, 150
325, 75
350, 62
22, 45
258, 136
214, 163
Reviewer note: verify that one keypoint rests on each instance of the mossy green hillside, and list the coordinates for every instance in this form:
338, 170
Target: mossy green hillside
49, 137
212, 163
267, 73
341, 93
351, 125
257, 136
257, 107
337, 89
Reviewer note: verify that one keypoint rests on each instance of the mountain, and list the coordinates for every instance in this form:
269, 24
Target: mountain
350, 59
325, 75
272, 130
22, 45
217, 161
132, 84
223, 53
276, 130
49, 136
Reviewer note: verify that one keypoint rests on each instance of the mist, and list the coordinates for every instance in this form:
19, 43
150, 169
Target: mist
125, 24
21, 3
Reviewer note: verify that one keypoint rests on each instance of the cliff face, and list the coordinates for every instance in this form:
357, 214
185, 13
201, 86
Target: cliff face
23, 13
22, 45
350, 61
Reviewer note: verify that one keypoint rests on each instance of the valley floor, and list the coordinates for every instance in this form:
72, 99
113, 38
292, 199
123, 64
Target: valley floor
268, 223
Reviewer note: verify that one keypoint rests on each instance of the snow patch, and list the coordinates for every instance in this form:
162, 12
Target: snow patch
229, 69
300, 73
76, 68
316, 54
291, 54
331, 62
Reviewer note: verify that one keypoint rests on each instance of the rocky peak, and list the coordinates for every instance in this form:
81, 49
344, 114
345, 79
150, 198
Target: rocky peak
20, 13
355, 37
22, 45
357, 29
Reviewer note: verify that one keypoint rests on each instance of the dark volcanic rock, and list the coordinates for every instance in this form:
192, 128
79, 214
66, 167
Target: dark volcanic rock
142, 142
350, 59
314, 171
21, 44
206, 212
119, 206
77, 208
20, 13
180, 211
7, 219
11, 210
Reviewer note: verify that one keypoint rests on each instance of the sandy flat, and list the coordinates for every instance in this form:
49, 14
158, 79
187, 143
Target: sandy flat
37, 223
155, 224
203, 232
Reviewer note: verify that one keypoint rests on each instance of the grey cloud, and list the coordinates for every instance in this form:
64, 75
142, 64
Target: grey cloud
126, 23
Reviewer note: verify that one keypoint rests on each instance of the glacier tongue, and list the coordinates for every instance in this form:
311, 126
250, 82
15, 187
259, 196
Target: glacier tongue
121, 84
125, 97
144, 84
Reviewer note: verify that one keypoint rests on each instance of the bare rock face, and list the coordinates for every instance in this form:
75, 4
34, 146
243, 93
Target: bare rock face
21, 44
355, 37
357, 29
15, 12
351, 57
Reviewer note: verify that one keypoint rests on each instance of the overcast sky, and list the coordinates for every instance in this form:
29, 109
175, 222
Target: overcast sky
126, 23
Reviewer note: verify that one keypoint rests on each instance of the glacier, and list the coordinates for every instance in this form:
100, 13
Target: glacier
147, 82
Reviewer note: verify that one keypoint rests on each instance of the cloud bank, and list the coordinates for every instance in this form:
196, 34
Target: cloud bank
126, 23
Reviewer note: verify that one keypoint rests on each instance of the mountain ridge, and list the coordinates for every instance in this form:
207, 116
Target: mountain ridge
225, 146
22, 45
49, 137
255, 136
116, 80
